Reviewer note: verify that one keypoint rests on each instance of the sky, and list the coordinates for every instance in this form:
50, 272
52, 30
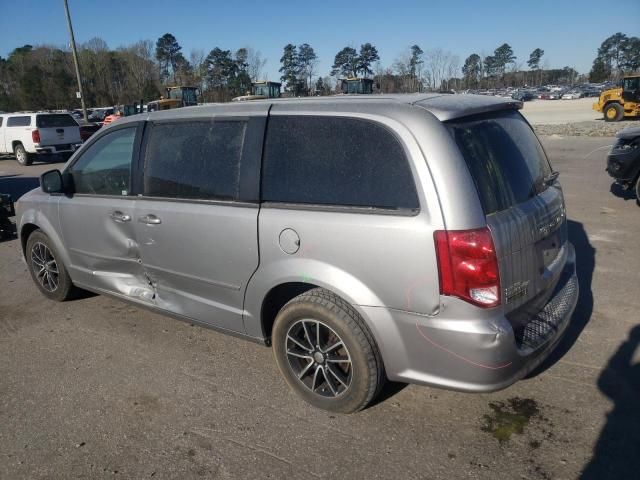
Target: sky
568, 31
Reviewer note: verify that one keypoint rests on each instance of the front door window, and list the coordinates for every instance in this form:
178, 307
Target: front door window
105, 168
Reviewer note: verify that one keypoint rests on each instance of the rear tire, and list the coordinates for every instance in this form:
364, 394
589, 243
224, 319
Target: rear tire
638, 190
326, 353
46, 268
22, 156
613, 112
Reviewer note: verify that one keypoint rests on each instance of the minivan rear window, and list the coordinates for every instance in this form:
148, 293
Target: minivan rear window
504, 157
55, 120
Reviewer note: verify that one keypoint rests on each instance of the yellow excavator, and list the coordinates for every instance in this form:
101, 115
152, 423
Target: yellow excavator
620, 102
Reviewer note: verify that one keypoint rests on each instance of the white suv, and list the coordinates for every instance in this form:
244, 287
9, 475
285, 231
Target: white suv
27, 135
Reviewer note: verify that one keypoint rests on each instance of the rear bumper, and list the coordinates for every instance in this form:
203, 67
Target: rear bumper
461, 352
64, 148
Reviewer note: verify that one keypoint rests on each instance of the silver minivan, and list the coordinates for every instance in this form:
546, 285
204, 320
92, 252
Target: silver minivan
415, 238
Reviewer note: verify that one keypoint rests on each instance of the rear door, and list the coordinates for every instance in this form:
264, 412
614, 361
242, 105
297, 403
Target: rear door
523, 203
197, 218
58, 129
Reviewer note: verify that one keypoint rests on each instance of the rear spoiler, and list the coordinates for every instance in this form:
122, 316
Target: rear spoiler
451, 107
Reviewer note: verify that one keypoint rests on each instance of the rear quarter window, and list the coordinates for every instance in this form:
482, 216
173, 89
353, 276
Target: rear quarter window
23, 121
55, 121
336, 161
504, 157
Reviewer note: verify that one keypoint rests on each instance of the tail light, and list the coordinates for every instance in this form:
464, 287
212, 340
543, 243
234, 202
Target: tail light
35, 136
468, 266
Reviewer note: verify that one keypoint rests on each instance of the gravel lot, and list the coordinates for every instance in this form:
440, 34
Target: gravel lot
557, 112
96, 388
571, 118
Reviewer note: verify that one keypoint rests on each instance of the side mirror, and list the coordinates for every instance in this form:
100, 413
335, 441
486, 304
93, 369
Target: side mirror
52, 182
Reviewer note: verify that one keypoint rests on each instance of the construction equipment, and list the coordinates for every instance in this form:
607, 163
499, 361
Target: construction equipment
361, 86
176, 97
617, 103
261, 90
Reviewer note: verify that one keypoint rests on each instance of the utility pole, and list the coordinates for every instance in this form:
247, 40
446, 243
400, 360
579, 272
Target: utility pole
75, 61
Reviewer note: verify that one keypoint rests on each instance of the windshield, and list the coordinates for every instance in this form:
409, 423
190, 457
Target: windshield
631, 83
261, 90
505, 158
55, 120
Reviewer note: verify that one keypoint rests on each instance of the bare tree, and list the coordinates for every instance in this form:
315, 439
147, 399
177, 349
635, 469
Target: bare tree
437, 63
256, 63
453, 67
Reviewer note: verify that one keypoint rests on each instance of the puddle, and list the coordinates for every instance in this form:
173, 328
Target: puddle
509, 417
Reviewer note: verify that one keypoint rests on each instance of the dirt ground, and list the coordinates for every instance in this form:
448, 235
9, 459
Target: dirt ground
96, 388
558, 112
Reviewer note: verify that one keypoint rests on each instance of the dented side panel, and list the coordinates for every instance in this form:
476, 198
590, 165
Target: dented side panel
102, 245
200, 257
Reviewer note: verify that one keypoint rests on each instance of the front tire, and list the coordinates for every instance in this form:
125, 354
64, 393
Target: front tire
613, 112
46, 268
22, 156
326, 353
638, 191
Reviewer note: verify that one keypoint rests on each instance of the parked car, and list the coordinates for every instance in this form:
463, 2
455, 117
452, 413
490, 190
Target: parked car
99, 114
523, 96
623, 161
362, 238
572, 95
28, 135
88, 129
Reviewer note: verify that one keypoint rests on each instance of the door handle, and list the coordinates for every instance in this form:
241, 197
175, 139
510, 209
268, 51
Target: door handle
120, 217
150, 219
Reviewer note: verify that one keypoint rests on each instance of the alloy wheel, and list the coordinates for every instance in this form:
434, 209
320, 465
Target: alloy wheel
45, 267
319, 358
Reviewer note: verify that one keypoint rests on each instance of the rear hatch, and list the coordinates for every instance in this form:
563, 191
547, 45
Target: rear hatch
523, 204
58, 129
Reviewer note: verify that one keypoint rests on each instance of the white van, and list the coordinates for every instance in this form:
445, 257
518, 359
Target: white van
27, 135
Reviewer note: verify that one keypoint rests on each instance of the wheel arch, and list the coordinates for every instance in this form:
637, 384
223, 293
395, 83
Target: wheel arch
276, 283
32, 220
275, 299
25, 232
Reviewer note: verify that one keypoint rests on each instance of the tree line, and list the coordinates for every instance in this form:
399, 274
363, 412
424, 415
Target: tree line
42, 77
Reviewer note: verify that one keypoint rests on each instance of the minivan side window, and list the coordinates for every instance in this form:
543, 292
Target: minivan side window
105, 167
24, 121
335, 161
195, 159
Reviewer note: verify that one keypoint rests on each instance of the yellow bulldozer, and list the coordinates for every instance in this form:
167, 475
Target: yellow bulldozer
617, 103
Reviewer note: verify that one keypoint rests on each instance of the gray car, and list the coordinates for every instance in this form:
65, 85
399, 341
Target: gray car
415, 238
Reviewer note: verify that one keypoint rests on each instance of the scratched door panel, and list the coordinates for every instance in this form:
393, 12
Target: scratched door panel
199, 258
